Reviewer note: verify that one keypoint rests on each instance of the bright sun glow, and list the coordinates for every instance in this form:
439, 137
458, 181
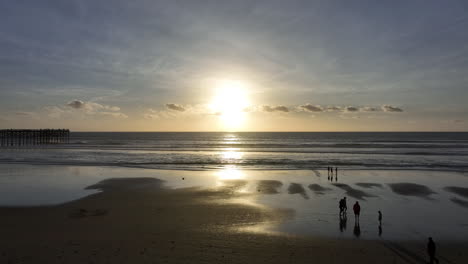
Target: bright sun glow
230, 102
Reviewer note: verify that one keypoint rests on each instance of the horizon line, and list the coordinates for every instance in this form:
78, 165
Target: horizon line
265, 131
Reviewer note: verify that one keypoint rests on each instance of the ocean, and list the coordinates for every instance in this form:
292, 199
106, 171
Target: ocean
252, 150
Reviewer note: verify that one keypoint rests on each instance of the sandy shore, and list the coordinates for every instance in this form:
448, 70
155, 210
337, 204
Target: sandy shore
138, 221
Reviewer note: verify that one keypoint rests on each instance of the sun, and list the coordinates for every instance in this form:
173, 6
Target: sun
230, 102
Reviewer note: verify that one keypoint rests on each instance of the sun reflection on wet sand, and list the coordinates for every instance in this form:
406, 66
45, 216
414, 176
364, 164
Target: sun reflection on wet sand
230, 173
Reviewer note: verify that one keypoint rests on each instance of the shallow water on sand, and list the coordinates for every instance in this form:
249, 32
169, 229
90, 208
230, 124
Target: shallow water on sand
415, 204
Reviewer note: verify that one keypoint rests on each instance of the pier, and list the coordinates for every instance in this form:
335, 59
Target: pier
25, 137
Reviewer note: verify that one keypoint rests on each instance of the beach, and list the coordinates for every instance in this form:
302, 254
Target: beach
149, 220
235, 198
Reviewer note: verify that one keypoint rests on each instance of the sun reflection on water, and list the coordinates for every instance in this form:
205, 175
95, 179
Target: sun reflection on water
232, 154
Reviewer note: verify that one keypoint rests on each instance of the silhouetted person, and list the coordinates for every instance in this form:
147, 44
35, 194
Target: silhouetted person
342, 205
357, 229
357, 211
336, 172
431, 250
345, 207
380, 223
343, 220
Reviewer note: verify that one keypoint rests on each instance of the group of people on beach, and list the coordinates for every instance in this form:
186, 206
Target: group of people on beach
356, 209
343, 216
330, 173
431, 247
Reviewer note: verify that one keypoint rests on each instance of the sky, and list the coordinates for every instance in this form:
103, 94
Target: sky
213, 65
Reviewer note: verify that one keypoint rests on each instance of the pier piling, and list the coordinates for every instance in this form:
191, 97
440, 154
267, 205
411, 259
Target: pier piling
24, 137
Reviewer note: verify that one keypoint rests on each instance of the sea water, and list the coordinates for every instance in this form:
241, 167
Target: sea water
253, 150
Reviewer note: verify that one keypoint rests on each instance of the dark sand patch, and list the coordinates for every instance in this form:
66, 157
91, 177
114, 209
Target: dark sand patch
81, 213
296, 188
126, 183
234, 185
355, 193
369, 185
459, 202
318, 189
462, 191
411, 189
269, 186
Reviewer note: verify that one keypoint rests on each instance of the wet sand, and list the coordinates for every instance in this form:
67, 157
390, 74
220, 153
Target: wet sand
411, 189
136, 220
458, 190
318, 189
352, 192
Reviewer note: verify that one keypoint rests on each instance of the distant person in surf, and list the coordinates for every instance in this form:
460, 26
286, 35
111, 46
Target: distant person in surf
380, 218
357, 211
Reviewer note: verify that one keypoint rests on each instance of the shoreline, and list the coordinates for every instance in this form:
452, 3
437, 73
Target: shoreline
138, 219
207, 168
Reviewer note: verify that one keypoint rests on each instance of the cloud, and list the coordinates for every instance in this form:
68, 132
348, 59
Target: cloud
91, 106
76, 107
390, 108
278, 108
351, 109
77, 104
26, 114
311, 108
151, 114
175, 107
333, 108
54, 112
114, 114
369, 109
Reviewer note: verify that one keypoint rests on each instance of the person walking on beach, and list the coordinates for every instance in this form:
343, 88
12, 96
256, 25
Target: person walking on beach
341, 206
357, 211
345, 207
431, 250
380, 218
